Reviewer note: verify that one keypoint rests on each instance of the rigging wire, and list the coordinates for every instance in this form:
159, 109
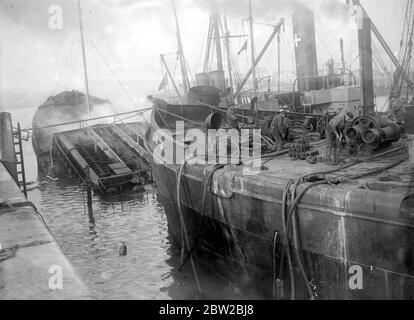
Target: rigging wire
64, 67
59, 55
200, 57
324, 44
112, 71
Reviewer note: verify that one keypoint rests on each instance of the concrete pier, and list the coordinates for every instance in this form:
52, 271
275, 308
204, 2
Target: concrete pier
32, 265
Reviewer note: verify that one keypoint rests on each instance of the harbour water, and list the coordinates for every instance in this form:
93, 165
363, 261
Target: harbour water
150, 268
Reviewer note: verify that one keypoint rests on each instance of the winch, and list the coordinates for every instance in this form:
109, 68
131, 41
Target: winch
370, 132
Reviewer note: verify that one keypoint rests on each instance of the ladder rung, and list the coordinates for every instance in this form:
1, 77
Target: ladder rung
19, 172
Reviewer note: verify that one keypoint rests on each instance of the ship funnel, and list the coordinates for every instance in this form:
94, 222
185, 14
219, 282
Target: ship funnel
305, 44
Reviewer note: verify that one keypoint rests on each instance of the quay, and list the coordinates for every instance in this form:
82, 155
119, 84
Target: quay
32, 265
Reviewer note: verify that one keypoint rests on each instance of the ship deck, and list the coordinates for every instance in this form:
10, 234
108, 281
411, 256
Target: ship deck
399, 176
381, 184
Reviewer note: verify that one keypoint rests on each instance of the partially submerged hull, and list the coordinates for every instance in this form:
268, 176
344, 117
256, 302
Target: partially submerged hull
365, 222
110, 157
65, 107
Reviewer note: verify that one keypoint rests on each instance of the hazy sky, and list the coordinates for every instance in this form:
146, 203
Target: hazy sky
131, 34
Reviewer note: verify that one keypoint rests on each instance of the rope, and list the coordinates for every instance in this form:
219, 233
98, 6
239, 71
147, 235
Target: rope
285, 246
291, 220
207, 183
63, 68
184, 237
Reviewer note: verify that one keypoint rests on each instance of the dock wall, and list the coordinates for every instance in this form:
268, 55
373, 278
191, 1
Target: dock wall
32, 265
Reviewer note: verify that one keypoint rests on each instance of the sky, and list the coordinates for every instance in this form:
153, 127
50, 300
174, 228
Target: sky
124, 40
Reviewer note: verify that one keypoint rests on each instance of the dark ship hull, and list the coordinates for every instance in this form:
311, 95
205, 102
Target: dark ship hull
68, 106
238, 230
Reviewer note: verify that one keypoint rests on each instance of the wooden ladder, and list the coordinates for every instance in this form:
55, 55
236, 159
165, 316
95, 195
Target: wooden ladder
18, 148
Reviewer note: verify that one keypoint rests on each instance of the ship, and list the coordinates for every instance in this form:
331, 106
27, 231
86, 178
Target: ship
63, 111
65, 107
292, 227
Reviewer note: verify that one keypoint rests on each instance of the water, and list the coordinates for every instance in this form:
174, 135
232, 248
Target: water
148, 271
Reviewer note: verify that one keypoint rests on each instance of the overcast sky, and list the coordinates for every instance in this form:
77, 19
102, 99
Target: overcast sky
131, 34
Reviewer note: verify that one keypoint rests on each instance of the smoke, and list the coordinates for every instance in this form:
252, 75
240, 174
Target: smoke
131, 34
269, 9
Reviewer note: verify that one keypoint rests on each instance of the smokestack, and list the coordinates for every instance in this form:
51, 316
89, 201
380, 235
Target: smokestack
305, 43
365, 64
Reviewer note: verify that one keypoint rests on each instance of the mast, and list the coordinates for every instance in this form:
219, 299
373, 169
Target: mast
276, 30
181, 52
341, 45
85, 70
216, 21
169, 75
208, 47
227, 44
278, 63
365, 63
252, 49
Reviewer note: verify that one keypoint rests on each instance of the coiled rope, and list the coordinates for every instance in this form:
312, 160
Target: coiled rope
291, 217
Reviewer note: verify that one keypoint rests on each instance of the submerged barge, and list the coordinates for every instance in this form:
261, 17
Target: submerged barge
109, 157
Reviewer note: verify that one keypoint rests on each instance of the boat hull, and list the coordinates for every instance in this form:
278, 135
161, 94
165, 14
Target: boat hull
236, 237
355, 238
65, 107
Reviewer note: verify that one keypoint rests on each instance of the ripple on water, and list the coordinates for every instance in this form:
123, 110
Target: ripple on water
139, 221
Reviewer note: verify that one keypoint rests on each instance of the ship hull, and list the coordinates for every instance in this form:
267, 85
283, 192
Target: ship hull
344, 231
68, 106
235, 239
